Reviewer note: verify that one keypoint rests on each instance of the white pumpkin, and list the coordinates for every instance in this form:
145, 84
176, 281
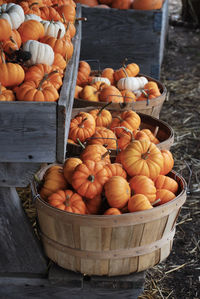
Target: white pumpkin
132, 83
101, 79
40, 52
13, 13
52, 28
32, 17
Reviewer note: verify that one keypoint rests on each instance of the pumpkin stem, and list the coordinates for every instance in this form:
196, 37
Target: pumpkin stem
145, 155
124, 62
14, 42
32, 4
59, 33
81, 19
91, 178
105, 154
81, 125
66, 202
80, 143
99, 113
124, 70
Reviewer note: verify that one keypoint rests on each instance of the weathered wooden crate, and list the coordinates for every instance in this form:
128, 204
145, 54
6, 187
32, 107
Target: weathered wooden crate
37, 132
110, 35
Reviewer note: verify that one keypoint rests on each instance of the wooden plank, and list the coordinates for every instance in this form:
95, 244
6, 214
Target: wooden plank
20, 250
143, 35
66, 100
28, 132
17, 174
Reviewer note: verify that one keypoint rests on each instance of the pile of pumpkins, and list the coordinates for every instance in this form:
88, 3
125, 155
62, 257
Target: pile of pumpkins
35, 48
123, 85
124, 4
112, 129
97, 182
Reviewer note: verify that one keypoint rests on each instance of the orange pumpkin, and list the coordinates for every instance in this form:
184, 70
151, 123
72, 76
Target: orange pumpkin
119, 4
69, 166
89, 93
110, 94
31, 29
93, 204
5, 29
109, 73
164, 195
83, 73
115, 169
128, 119
68, 201
112, 211
131, 70
59, 62
103, 117
95, 152
168, 162
89, 178
165, 182
67, 12
6, 94
13, 43
50, 13
128, 96
139, 202
82, 126
90, 3
53, 181
105, 137
147, 4
142, 157
141, 184
117, 192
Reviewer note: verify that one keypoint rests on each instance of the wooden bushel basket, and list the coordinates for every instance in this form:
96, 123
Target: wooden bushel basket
165, 132
150, 107
109, 245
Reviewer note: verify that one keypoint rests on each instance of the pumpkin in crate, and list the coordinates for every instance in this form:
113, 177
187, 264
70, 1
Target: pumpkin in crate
31, 30
13, 13
13, 43
5, 29
147, 4
6, 94
83, 73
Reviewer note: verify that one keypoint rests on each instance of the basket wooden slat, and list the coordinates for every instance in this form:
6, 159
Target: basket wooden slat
109, 245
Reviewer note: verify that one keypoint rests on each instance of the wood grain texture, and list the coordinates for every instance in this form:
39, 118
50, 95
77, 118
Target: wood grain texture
20, 251
17, 174
110, 35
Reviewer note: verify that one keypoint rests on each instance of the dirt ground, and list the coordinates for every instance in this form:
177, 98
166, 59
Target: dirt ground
178, 277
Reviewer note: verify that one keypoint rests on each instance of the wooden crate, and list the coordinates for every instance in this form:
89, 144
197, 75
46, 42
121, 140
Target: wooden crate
110, 35
37, 132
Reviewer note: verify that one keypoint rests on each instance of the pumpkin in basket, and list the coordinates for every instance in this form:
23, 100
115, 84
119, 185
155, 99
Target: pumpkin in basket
110, 94
139, 202
142, 157
141, 184
95, 152
53, 181
68, 201
163, 196
117, 192
112, 211
89, 93
69, 166
103, 117
104, 136
128, 119
168, 162
93, 204
89, 178
130, 70
82, 126
109, 73
166, 182
115, 169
